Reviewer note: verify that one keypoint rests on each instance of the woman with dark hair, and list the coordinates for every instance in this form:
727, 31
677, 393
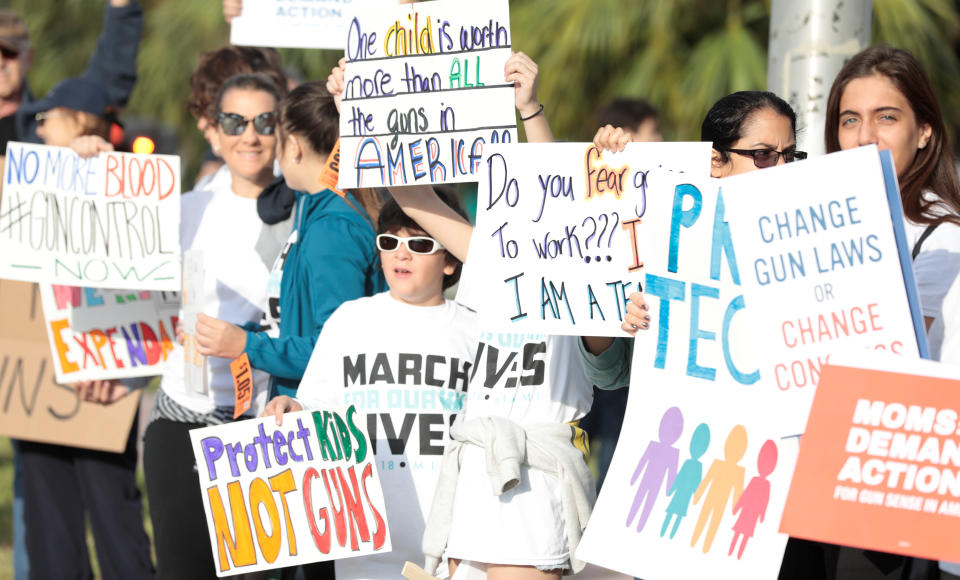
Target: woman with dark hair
882, 97
221, 227
749, 130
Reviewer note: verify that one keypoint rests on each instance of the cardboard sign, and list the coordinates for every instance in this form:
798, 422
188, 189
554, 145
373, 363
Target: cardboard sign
291, 23
558, 227
879, 464
425, 92
194, 363
96, 333
110, 221
698, 483
280, 496
33, 406
825, 267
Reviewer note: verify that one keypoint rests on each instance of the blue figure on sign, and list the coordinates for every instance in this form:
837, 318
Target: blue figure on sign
687, 481
658, 463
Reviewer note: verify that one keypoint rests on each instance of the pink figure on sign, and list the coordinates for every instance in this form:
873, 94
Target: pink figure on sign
752, 504
659, 462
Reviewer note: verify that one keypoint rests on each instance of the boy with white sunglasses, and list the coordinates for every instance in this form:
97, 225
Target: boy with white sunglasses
404, 358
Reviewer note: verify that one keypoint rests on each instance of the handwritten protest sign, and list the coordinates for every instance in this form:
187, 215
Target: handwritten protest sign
109, 221
96, 333
32, 405
279, 496
558, 228
822, 268
424, 92
291, 23
699, 489
879, 467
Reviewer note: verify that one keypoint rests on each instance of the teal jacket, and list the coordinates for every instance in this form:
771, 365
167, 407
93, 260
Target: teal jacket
334, 260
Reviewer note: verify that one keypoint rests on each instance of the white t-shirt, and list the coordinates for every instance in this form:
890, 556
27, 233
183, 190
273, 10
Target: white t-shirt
935, 269
237, 249
407, 368
527, 379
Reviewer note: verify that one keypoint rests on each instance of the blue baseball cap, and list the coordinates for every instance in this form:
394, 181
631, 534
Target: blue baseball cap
78, 94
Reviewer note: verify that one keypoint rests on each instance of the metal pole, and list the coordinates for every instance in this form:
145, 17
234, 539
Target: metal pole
809, 42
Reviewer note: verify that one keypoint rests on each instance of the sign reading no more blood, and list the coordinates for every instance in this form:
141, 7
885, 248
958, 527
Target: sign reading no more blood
109, 221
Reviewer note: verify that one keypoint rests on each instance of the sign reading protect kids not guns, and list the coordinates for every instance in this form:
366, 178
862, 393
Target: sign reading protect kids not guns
96, 333
825, 266
110, 221
424, 92
880, 463
304, 492
559, 231
699, 490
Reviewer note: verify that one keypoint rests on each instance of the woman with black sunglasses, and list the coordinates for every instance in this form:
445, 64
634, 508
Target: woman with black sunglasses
220, 229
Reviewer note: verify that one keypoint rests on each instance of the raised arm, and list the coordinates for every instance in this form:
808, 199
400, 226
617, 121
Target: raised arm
114, 62
524, 73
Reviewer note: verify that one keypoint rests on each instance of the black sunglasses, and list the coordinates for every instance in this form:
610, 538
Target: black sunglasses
234, 124
9, 53
764, 158
416, 244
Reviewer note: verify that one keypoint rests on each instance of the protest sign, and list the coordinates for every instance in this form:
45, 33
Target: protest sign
97, 333
304, 492
699, 489
424, 92
291, 23
194, 363
879, 464
33, 406
110, 221
558, 228
825, 267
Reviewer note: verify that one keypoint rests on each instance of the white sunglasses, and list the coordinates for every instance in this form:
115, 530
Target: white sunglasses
416, 244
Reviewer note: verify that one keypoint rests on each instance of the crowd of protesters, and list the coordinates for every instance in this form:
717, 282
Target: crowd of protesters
298, 277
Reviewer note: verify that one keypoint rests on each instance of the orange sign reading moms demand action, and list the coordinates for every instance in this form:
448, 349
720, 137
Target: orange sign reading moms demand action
879, 464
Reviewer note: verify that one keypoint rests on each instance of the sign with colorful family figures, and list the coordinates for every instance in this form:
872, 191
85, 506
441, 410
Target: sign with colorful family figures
110, 221
33, 406
558, 235
825, 267
879, 466
306, 491
699, 490
424, 92
291, 23
96, 333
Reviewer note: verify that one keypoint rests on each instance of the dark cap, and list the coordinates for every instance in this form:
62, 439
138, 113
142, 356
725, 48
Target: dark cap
13, 31
78, 94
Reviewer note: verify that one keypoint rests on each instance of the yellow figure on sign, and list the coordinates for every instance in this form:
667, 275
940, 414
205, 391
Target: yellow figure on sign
723, 485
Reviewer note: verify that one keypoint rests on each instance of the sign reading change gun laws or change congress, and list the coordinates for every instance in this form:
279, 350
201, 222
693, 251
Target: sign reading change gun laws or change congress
424, 92
304, 492
110, 221
558, 228
292, 23
825, 266
879, 467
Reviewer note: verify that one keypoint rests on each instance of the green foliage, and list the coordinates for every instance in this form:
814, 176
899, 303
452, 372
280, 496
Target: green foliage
680, 54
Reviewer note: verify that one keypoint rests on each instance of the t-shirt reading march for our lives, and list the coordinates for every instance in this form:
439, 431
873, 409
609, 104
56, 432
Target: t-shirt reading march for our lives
407, 367
527, 378
236, 248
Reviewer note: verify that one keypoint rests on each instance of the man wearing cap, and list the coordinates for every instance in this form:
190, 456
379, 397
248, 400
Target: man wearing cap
113, 67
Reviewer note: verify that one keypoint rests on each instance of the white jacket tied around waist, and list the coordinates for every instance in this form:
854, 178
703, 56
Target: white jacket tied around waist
546, 447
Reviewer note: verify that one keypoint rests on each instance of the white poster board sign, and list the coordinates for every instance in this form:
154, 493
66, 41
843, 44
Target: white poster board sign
699, 489
424, 92
822, 269
292, 23
110, 221
558, 228
708, 391
97, 333
306, 491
